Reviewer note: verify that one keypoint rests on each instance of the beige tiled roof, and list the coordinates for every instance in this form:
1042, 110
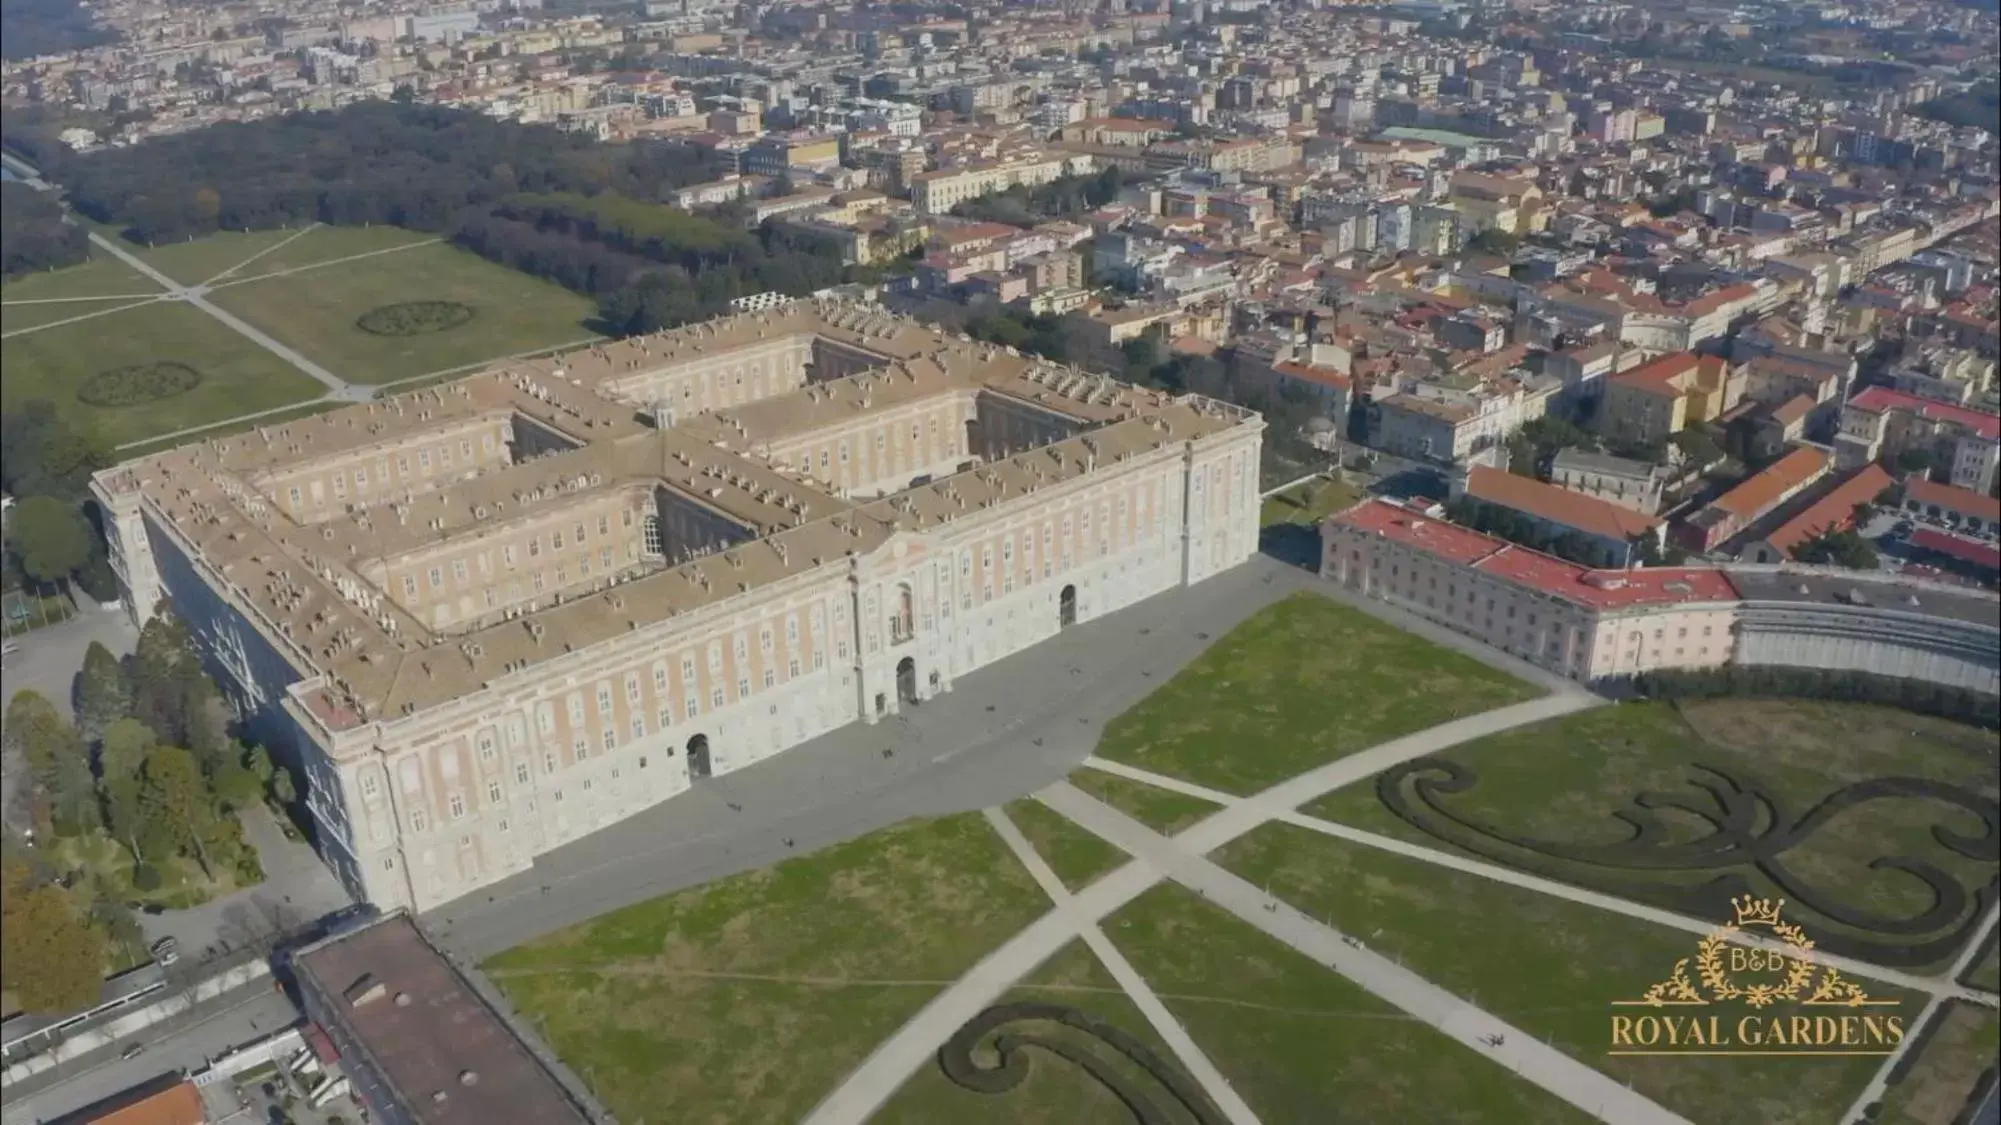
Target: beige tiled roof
303, 584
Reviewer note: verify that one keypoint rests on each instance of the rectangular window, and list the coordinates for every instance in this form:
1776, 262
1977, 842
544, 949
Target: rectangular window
638, 727
437, 577
632, 688
604, 699
459, 569
458, 806
693, 705
610, 738
424, 460
486, 746
521, 772
409, 585
716, 699
418, 822
556, 540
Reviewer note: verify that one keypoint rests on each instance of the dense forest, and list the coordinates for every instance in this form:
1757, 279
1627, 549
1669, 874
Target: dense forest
33, 235
47, 27
373, 162
557, 205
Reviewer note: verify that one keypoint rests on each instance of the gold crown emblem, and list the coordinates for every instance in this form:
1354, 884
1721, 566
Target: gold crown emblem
1757, 911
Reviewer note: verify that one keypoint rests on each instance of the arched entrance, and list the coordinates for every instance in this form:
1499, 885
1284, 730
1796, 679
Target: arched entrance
1066, 607
698, 757
906, 681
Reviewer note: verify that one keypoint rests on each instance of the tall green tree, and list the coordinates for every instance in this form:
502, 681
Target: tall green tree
49, 537
172, 694
121, 764
102, 694
51, 961
176, 800
58, 762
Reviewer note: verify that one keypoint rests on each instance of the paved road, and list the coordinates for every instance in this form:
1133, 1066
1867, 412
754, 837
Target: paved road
185, 1043
297, 889
197, 295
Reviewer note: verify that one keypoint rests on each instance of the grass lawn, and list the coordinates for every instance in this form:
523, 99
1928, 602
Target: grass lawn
197, 261
1162, 810
1303, 682
315, 311
103, 276
1548, 966
748, 999
1077, 857
19, 318
324, 244
1949, 1063
1986, 972
237, 375
1309, 503
1056, 1091
1303, 1044
182, 883
1564, 781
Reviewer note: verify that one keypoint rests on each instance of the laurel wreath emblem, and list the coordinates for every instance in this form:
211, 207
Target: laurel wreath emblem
1799, 967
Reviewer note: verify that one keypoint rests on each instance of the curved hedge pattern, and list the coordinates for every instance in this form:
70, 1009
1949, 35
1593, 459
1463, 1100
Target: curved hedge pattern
413, 318
138, 383
1750, 830
1076, 1040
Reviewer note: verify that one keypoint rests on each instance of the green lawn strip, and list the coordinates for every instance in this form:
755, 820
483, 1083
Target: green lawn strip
1162, 810
1301, 683
1949, 1063
101, 276
1056, 1091
195, 261
1563, 780
1548, 966
1308, 503
747, 1000
315, 311
1077, 856
1986, 972
17, 318
237, 376
1301, 1043
325, 244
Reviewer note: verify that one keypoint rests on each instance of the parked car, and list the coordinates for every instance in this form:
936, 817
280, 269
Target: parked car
132, 1051
166, 951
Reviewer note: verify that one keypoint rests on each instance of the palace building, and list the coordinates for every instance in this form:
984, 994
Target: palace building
488, 617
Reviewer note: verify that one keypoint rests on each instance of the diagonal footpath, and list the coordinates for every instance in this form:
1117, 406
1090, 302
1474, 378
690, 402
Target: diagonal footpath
1176, 1036
1943, 985
896, 1058
1583, 1086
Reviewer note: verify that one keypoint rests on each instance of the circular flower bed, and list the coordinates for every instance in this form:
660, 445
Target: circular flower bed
413, 318
141, 382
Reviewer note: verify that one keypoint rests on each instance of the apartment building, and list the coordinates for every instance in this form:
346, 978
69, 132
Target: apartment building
482, 619
1753, 498
937, 192
1881, 423
1659, 398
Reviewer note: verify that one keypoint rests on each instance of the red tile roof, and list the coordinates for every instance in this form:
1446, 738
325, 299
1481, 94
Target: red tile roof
1597, 589
1958, 547
1587, 514
1832, 512
175, 1105
1876, 400
1965, 501
1766, 489
1658, 375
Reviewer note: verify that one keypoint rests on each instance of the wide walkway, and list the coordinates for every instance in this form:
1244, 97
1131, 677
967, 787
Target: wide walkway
911, 1046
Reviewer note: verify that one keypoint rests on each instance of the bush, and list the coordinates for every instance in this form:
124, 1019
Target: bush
1921, 696
413, 318
249, 869
146, 877
139, 383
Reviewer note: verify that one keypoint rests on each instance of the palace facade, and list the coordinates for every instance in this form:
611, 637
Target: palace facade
486, 618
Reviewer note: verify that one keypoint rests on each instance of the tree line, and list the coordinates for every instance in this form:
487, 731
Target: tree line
372, 162
33, 235
31, 28
649, 266
46, 464
149, 770
1925, 697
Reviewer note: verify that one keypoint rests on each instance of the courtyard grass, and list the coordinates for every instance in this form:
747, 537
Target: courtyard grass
1548, 966
1076, 856
748, 999
1308, 504
1949, 1064
237, 376
1162, 810
1056, 1091
1303, 1044
1303, 682
1986, 970
24, 318
1568, 780
315, 311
